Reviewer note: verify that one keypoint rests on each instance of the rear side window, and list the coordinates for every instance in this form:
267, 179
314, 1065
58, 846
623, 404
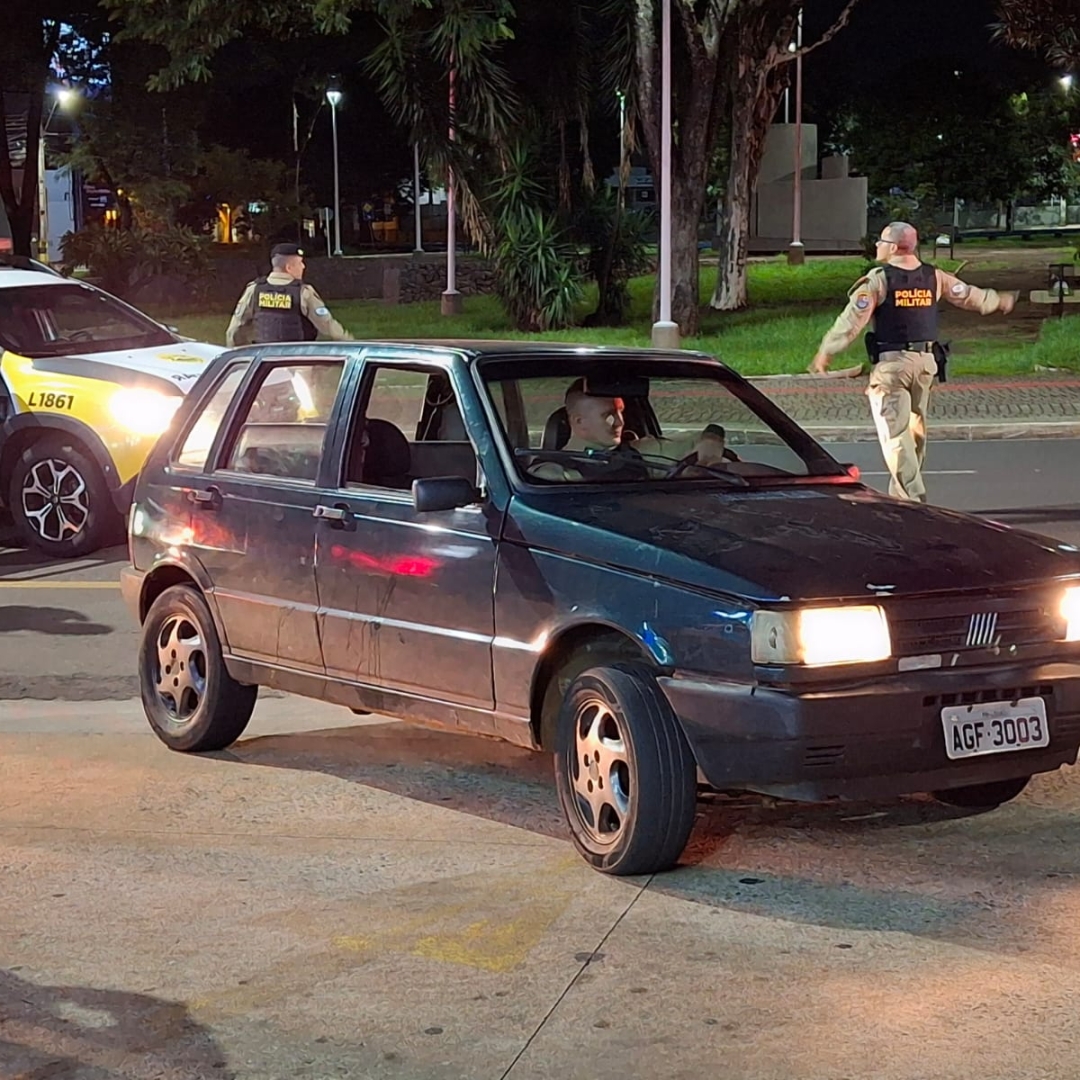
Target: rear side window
196, 446
285, 427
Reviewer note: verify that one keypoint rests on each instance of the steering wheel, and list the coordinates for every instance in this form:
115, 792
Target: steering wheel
691, 461
79, 335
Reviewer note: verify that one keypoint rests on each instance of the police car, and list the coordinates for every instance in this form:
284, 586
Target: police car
87, 385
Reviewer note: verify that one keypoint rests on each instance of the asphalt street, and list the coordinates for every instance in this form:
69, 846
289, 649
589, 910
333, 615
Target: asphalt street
65, 633
337, 896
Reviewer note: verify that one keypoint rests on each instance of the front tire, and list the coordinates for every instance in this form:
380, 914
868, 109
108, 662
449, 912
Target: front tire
59, 501
192, 702
983, 796
626, 777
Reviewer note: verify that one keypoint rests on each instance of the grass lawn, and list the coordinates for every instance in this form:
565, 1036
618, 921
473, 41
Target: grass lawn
790, 309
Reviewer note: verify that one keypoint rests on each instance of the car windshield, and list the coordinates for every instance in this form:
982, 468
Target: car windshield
613, 419
55, 320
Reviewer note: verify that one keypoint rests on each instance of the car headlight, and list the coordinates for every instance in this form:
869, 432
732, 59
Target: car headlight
1070, 609
144, 412
821, 635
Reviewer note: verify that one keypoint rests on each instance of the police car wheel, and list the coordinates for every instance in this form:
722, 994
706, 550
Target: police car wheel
59, 501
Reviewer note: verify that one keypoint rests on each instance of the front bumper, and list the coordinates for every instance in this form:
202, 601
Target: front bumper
870, 741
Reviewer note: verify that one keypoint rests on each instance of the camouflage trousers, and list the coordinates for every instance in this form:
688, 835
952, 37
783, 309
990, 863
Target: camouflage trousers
899, 395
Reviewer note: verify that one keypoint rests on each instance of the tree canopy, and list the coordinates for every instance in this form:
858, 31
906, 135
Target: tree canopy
1050, 26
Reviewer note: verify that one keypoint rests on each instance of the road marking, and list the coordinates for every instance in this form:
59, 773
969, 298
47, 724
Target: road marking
49, 571
8, 584
930, 472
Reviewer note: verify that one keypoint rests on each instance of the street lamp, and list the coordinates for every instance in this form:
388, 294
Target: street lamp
451, 298
621, 95
797, 252
665, 333
1066, 82
63, 97
333, 96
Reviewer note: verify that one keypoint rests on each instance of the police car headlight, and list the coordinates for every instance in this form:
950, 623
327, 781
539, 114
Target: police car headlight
1070, 608
144, 412
820, 636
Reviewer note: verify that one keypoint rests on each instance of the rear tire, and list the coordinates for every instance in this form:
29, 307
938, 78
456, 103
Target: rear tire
983, 796
192, 702
626, 777
59, 501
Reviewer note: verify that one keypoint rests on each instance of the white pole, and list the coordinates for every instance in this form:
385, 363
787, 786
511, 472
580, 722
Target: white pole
337, 187
451, 298
418, 244
665, 333
797, 252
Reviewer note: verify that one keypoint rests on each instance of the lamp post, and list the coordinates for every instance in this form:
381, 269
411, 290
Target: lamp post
665, 333
451, 298
621, 95
418, 240
333, 96
63, 97
797, 252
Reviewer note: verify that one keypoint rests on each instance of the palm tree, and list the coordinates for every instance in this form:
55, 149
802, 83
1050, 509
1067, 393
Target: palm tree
1052, 26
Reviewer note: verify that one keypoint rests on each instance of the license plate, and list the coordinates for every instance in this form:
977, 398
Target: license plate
995, 727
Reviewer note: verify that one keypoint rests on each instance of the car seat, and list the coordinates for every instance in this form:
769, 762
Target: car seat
556, 430
388, 460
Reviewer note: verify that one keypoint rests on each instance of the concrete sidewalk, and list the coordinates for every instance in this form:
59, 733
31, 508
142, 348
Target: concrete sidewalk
1022, 407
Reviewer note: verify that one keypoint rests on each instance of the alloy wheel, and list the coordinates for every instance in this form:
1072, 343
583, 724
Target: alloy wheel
600, 772
55, 500
180, 678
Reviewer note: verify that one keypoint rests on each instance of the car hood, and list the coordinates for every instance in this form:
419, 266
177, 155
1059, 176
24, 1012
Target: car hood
810, 543
180, 363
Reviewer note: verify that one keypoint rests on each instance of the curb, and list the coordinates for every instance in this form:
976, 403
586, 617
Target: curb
951, 432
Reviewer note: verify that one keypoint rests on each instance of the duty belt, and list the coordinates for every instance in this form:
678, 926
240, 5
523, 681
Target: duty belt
906, 346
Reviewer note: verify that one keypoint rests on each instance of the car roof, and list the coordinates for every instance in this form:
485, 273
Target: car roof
482, 348
12, 278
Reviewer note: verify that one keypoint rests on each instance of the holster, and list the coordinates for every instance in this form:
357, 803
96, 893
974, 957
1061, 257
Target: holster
941, 355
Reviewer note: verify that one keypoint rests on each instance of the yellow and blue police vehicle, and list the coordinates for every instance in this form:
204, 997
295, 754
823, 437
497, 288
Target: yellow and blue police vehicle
87, 385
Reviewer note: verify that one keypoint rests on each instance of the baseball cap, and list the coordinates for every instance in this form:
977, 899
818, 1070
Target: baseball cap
285, 249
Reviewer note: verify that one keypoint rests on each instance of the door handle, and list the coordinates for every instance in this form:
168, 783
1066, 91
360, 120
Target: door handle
335, 515
209, 499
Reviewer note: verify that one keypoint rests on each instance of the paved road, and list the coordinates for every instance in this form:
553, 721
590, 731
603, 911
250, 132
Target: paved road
335, 897
66, 634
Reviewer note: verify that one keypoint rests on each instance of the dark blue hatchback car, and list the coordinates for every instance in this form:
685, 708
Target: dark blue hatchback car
630, 559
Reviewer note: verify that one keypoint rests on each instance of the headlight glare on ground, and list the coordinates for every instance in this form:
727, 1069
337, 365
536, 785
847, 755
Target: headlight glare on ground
821, 636
1070, 609
144, 412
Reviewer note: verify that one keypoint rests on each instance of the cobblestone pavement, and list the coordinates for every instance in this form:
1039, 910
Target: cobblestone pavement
984, 408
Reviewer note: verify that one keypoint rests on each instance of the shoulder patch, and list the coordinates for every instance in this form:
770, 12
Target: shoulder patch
959, 289
322, 311
862, 301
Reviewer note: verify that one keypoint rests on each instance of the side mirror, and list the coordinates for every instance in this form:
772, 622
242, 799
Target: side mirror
443, 493
853, 471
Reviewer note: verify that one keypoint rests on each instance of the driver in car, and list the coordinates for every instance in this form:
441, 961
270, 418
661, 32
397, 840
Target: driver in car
597, 427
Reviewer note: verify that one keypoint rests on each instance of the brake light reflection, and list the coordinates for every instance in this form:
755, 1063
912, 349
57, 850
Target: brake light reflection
417, 566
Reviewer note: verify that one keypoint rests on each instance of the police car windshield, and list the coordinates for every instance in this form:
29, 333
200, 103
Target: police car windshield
58, 320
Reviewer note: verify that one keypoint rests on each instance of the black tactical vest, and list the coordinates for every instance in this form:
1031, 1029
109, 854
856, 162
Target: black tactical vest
910, 311
277, 315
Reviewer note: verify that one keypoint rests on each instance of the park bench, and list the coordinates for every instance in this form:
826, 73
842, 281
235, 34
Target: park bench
1061, 287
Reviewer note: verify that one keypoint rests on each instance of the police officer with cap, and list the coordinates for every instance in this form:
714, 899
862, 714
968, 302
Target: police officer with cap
902, 298
282, 306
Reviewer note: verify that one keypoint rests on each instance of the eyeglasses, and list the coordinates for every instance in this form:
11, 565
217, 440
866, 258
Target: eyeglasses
882, 240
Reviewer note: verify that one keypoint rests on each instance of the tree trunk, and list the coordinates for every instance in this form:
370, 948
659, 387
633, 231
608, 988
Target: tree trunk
687, 203
730, 293
756, 101
22, 219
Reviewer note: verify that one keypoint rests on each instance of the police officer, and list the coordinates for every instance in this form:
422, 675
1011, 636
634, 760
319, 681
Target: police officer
902, 298
282, 307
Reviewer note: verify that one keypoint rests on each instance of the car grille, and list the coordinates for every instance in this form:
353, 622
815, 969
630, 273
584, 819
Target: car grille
1031, 624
